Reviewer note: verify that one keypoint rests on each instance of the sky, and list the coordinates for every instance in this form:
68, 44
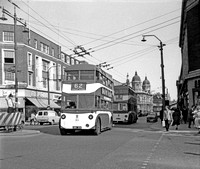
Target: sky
111, 30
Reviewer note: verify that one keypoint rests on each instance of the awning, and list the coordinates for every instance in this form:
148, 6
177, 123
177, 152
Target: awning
3, 103
42, 103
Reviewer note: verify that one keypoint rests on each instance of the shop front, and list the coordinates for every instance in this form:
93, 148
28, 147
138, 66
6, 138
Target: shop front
29, 101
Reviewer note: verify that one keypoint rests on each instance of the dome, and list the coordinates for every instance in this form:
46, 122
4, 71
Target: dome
146, 81
136, 78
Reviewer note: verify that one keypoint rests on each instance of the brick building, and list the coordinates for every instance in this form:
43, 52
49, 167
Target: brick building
37, 57
188, 84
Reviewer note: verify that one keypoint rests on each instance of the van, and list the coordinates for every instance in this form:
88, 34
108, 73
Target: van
47, 116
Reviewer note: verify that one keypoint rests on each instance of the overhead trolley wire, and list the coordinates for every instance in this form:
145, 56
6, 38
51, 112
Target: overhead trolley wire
132, 26
115, 32
107, 35
66, 38
104, 36
64, 31
124, 57
128, 36
168, 42
48, 36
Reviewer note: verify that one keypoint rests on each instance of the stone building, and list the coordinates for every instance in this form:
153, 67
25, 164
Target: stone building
188, 84
144, 96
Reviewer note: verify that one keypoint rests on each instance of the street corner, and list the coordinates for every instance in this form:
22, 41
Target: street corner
21, 132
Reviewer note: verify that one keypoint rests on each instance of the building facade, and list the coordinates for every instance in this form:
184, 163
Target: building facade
188, 84
144, 96
40, 68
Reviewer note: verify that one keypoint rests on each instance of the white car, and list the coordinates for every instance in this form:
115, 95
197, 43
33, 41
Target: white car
47, 116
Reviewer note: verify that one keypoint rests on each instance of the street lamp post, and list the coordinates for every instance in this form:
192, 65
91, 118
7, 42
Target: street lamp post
16, 66
162, 68
4, 11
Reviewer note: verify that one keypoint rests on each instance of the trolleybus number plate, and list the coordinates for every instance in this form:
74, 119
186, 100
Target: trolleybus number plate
77, 127
78, 86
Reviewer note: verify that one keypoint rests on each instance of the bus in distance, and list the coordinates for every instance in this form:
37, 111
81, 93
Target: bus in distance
124, 105
87, 97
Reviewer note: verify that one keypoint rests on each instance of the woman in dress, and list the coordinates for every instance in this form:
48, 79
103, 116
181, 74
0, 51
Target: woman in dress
176, 115
190, 116
197, 117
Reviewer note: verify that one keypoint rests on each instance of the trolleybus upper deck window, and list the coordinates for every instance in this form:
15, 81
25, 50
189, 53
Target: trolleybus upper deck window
86, 75
72, 75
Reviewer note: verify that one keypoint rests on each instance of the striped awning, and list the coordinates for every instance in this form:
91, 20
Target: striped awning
42, 103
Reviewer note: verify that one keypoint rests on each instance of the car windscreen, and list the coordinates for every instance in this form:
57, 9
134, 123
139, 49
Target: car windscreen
45, 113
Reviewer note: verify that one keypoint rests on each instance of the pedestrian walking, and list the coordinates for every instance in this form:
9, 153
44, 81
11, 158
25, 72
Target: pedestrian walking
33, 119
176, 117
197, 117
190, 116
184, 114
10, 103
167, 117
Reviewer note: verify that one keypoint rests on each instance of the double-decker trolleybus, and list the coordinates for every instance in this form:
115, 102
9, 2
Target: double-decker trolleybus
125, 104
87, 97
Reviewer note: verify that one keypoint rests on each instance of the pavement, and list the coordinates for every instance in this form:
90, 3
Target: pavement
182, 128
19, 132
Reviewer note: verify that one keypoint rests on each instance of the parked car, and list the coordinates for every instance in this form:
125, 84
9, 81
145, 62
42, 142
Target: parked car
47, 116
152, 117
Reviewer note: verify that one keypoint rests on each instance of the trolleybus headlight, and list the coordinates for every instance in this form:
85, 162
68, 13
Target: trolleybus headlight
63, 116
90, 116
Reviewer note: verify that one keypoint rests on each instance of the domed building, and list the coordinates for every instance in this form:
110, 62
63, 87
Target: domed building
144, 96
146, 85
136, 82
